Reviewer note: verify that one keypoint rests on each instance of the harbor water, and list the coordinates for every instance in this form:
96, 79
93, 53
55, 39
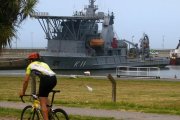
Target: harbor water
167, 72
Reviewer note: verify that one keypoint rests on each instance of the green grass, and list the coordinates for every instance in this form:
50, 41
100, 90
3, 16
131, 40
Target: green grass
9, 113
135, 95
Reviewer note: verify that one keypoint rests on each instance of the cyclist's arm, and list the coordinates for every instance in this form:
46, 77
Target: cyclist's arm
25, 84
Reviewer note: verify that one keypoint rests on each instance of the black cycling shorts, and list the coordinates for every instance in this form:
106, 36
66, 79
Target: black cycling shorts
47, 83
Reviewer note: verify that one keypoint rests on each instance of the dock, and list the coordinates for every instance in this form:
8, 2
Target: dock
15, 58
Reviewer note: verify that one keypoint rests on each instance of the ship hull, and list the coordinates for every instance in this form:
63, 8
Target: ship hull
100, 62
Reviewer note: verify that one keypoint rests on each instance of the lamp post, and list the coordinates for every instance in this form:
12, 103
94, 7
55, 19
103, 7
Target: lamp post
32, 40
16, 43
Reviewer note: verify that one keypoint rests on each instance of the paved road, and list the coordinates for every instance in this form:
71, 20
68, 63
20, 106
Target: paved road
119, 115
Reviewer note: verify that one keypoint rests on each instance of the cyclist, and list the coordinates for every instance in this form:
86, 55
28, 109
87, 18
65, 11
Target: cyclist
47, 80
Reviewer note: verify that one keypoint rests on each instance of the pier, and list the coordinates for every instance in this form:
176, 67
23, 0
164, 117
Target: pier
15, 58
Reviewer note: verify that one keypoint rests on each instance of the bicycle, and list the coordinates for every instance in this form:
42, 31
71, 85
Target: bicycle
33, 112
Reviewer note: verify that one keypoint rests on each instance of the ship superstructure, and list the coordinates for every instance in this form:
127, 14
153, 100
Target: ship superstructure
86, 40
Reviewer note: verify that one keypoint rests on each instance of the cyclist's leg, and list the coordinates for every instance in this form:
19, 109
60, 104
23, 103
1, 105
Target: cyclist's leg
43, 95
47, 83
51, 85
44, 102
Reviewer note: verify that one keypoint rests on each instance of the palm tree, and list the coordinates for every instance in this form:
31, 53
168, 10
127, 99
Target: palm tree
12, 14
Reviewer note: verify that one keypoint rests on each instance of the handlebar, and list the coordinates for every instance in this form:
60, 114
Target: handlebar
36, 96
32, 95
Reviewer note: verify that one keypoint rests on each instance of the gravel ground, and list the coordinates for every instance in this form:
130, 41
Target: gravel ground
119, 115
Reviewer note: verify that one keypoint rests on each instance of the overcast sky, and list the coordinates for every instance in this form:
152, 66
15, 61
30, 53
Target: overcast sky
159, 19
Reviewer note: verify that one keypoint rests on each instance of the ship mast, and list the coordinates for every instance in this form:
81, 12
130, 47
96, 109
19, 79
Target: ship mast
92, 3
91, 9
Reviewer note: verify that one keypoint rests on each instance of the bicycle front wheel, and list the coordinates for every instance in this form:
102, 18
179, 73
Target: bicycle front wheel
60, 114
29, 113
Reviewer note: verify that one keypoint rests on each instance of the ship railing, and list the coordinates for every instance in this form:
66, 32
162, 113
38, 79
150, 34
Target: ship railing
37, 14
127, 71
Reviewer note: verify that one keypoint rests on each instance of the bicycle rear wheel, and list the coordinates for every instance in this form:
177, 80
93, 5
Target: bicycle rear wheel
60, 114
29, 113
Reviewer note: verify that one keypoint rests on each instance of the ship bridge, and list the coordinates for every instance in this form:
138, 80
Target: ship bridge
74, 25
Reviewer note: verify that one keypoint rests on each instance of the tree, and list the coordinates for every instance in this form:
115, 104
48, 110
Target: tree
12, 14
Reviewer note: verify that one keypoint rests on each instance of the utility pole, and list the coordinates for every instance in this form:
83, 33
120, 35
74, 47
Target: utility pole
163, 41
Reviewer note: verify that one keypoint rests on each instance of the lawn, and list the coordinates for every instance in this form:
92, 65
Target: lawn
155, 96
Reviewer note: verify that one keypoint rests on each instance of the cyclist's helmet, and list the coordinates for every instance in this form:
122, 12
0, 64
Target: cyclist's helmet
34, 56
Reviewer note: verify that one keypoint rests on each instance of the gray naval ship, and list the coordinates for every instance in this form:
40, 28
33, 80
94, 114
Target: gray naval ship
86, 40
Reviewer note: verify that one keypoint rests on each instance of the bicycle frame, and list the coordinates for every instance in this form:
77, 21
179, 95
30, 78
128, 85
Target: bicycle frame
36, 104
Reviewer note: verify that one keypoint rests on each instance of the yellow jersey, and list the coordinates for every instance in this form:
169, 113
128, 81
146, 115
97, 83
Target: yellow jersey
40, 67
